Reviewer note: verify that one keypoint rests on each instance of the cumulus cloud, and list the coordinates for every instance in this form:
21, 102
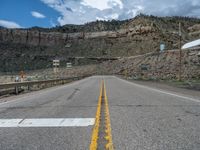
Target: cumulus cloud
82, 11
103, 4
9, 24
37, 14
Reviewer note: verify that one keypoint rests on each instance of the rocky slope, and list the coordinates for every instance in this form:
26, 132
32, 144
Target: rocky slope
157, 65
35, 48
47, 74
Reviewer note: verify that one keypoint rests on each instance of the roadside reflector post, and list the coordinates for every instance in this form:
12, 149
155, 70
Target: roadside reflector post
16, 87
29, 87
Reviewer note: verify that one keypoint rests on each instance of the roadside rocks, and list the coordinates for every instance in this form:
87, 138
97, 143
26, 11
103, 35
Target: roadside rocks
157, 65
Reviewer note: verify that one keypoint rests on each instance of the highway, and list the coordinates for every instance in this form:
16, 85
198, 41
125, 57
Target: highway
65, 117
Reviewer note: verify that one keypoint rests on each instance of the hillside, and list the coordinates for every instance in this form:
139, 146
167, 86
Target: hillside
35, 48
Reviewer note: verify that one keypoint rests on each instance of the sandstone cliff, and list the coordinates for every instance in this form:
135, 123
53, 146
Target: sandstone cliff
35, 48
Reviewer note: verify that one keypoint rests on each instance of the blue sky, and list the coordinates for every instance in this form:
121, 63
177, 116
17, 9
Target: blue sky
48, 13
19, 11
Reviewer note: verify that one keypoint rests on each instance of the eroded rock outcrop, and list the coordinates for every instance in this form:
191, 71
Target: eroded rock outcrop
35, 48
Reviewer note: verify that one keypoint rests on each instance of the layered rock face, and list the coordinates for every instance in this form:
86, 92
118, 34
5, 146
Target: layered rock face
38, 38
24, 49
29, 49
35, 38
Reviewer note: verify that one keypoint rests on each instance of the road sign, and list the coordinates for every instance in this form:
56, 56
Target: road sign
69, 65
56, 63
162, 47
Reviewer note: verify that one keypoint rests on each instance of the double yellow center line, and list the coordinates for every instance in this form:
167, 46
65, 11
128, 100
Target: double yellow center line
103, 100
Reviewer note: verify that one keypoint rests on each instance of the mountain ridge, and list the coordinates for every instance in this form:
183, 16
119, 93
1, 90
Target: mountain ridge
142, 34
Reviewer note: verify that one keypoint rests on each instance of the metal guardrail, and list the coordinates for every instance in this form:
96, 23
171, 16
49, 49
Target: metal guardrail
16, 85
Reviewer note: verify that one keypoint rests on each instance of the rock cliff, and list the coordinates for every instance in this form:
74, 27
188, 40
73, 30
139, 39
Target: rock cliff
35, 48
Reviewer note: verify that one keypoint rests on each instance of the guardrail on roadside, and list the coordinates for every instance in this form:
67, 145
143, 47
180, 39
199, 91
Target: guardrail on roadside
15, 87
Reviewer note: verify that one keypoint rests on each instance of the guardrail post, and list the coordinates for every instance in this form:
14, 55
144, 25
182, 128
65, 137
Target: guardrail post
28, 87
16, 90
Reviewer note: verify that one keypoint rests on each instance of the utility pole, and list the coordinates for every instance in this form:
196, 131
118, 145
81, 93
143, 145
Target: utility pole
127, 63
127, 53
180, 52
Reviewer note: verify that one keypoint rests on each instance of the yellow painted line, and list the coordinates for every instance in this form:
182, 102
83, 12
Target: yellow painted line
95, 133
108, 133
108, 130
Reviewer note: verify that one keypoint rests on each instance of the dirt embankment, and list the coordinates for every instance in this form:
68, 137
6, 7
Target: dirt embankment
156, 66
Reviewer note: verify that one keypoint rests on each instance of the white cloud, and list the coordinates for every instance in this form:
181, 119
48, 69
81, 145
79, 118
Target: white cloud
37, 14
98, 18
109, 17
52, 23
82, 11
9, 24
79, 11
103, 4
112, 16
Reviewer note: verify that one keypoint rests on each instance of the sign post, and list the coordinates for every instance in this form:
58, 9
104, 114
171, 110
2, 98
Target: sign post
180, 52
56, 65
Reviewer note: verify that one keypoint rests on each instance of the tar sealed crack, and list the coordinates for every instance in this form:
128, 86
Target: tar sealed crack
73, 93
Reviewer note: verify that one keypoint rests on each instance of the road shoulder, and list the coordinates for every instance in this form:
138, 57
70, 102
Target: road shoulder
167, 87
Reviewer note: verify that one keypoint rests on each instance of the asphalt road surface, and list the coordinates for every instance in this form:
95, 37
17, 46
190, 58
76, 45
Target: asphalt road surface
142, 117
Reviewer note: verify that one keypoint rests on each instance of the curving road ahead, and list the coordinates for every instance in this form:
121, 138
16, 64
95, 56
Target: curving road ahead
62, 117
